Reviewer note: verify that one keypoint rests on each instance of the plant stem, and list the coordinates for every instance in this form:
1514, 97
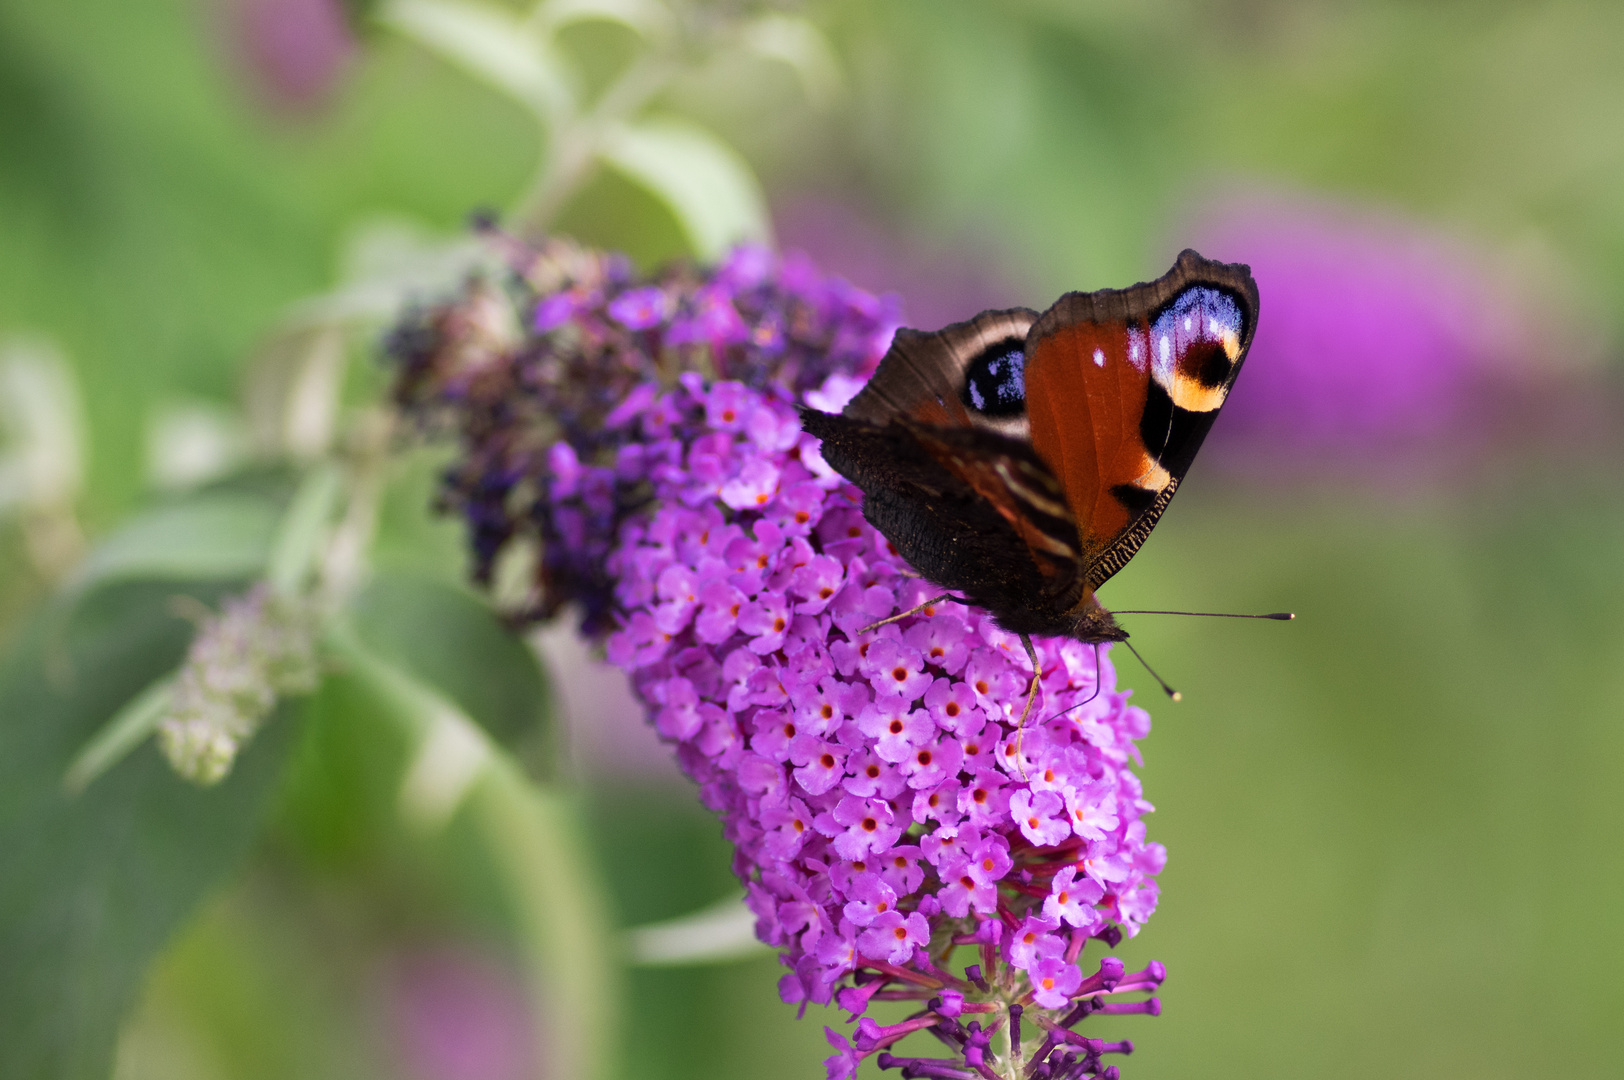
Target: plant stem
576, 144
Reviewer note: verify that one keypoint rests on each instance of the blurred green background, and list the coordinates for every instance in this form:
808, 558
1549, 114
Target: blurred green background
1396, 828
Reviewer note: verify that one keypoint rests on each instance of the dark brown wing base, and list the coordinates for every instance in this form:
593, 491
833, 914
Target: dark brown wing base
955, 536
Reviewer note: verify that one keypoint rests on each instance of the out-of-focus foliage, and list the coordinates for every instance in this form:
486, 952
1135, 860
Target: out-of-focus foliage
1079, 130
96, 883
1393, 826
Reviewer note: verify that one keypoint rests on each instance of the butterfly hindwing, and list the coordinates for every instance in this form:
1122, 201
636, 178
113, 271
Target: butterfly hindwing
1122, 387
971, 510
1006, 474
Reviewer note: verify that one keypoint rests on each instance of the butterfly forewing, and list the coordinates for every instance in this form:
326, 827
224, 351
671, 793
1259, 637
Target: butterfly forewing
1122, 387
969, 374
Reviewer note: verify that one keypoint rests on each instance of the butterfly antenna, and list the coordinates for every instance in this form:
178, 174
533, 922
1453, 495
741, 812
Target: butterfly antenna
1172, 693
1282, 616
911, 611
1090, 697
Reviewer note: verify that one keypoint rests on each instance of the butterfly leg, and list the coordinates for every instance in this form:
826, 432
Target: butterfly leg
911, 611
1090, 697
1031, 696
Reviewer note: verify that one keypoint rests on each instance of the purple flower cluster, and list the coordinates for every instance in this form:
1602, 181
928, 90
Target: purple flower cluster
886, 806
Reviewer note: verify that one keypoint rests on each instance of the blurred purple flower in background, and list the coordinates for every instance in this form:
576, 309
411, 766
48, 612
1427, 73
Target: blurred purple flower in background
292, 52
454, 1014
1376, 334
938, 283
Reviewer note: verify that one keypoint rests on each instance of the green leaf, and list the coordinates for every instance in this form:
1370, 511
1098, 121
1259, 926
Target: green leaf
795, 41
493, 45
646, 17
537, 840
217, 537
412, 536
128, 729
450, 639
302, 529
42, 427
452, 752
708, 186
719, 934
541, 845
94, 885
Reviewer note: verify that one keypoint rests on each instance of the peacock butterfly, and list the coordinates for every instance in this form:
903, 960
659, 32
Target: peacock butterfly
1021, 459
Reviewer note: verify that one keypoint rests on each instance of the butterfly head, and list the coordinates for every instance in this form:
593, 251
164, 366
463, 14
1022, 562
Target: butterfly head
1092, 624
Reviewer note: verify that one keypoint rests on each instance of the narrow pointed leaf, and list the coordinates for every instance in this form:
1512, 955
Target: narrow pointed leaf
491, 44
703, 181
217, 537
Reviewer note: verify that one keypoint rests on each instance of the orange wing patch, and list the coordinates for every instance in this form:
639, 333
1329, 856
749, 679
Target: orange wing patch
1084, 418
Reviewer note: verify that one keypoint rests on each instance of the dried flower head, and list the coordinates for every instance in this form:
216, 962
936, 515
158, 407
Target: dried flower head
259, 647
